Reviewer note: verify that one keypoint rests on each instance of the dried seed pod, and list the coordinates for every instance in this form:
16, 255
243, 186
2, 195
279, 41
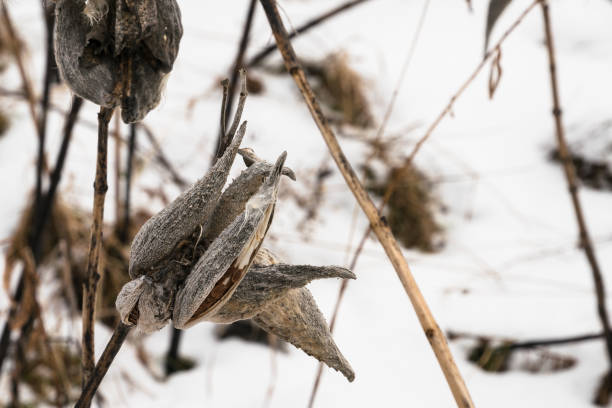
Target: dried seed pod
159, 235
273, 295
219, 271
117, 52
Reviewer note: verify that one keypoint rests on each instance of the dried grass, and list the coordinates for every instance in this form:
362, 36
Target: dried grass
341, 89
410, 210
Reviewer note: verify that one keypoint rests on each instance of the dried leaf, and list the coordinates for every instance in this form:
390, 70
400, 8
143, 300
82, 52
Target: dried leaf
496, 72
496, 7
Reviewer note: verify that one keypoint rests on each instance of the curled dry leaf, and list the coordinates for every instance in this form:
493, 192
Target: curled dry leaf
495, 73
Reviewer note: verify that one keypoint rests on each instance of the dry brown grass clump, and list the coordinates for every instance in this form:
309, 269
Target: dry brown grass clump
341, 89
64, 248
54, 379
65, 244
410, 210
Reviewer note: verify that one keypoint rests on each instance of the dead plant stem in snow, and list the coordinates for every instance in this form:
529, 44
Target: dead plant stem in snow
379, 225
570, 175
93, 258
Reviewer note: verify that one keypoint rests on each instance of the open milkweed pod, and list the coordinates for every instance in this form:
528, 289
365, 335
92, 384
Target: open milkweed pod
219, 271
274, 296
117, 52
161, 233
235, 197
157, 264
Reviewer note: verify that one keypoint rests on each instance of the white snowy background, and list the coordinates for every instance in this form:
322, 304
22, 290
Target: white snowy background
510, 266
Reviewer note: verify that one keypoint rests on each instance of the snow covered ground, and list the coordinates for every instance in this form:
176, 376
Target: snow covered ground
510, 266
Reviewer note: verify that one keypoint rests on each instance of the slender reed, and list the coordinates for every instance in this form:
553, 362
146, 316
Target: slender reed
379, 135
93, 276
263, 54
379, 225
237, 65
570, 175
125, 212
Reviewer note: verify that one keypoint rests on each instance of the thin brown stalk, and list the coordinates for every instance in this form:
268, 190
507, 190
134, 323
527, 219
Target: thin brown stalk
263, 54
162, 159
231, 89
106, 359
379, 135
405, 66
124, 227
448, 108
379, 225
93, 258
570, 175
528, 344
117, 139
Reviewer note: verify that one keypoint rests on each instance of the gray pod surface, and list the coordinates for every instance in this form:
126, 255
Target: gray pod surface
112, 52
160, 234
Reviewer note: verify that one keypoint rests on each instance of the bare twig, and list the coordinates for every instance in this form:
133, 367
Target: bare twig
93, 276
125, 223
379, 135
570, 175
405, 65
263, 54
111, 350
231, 89
448, 108
161, 158
378, 223
528, 344
117, 139
49, 18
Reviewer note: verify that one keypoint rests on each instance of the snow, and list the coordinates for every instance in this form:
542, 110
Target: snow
510, 266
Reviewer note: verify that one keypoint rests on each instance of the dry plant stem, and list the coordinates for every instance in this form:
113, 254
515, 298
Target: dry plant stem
529, 343
379, 226
238, 62
263, 54
117, 139
125, 224
162, 159
49, 19
379, 135
93, 276
106, 359
570, 175
448, 108
406, 64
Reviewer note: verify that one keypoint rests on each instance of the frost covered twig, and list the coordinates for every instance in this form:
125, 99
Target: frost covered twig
378, 223
603, 394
